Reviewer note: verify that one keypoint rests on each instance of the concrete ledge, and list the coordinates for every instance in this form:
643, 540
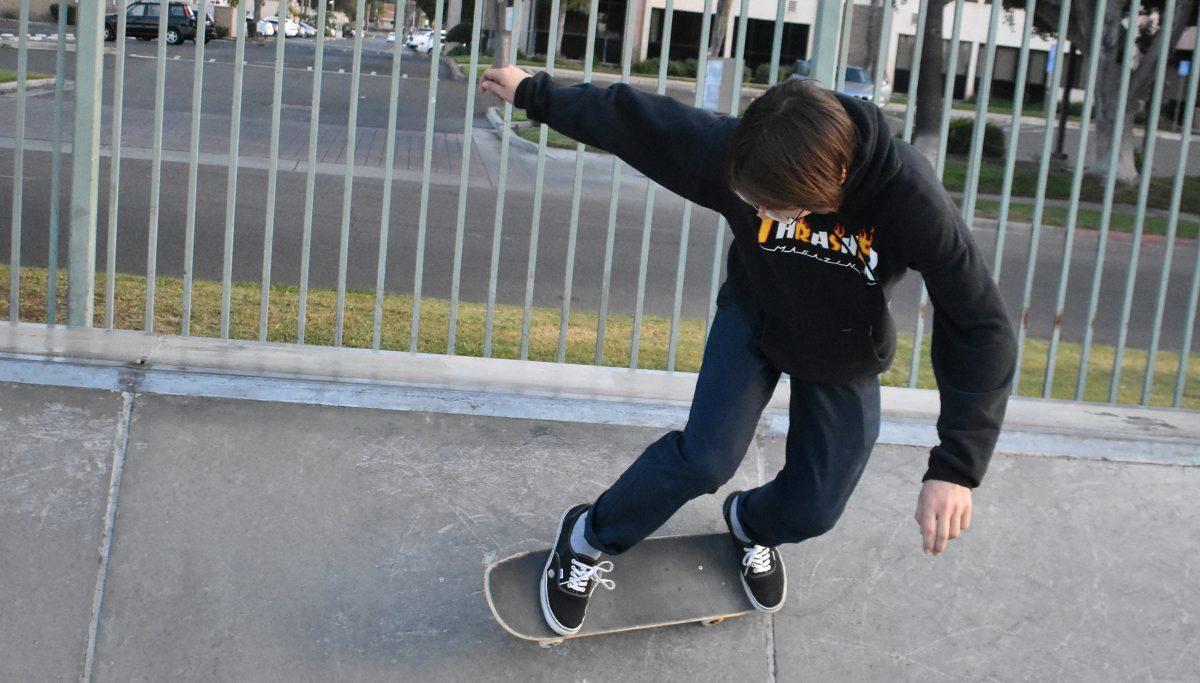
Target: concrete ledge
1033, 426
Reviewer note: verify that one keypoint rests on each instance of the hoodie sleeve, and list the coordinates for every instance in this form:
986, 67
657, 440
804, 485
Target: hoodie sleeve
974, 348
675, 145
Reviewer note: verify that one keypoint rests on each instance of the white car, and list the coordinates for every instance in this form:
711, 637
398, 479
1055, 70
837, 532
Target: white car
417, 36
424, 41
291, 28
307, 30
265, 28
391, 37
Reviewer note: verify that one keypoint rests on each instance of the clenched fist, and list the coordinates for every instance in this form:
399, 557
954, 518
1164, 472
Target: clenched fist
502, 81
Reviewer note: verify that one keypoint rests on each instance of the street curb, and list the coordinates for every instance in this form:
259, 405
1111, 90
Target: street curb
566, 392
456, 72
30, 85
495, 118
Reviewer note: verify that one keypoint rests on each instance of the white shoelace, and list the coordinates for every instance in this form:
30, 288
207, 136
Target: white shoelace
758, 559
582, 573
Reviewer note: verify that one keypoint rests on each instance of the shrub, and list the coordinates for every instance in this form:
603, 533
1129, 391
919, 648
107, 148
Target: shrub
461, 33
645, 66
762, 73
958, 138
459, 51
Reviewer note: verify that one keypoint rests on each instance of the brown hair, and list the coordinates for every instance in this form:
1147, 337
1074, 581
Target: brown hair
790, 148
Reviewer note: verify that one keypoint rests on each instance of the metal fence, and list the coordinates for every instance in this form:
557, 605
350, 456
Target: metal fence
831, 31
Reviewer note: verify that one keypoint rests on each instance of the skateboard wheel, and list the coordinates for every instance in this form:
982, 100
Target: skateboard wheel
711, 622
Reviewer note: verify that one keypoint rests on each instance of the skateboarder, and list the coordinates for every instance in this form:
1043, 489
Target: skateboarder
828, 212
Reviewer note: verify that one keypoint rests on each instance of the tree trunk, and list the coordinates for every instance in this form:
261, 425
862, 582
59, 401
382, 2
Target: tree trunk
928, 118
721, 22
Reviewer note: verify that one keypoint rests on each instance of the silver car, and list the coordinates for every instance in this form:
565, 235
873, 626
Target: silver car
858, 82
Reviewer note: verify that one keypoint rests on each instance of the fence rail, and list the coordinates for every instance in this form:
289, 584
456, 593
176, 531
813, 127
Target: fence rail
490, 327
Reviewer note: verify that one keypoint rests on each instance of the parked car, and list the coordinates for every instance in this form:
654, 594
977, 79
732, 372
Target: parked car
391, 37
291, 28
308, 30
423, 41
265, 28
858, 82
141, 22
417, 36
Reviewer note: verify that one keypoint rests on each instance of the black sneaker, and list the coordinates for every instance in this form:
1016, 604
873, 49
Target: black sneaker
569, 579
763, 575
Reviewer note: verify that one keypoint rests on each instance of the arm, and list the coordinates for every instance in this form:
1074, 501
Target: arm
675, 145
974, 355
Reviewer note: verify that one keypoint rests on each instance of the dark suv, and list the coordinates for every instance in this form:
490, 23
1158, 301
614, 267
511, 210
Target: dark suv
141, 22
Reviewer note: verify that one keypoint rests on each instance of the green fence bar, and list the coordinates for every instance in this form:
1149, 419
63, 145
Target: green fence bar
914, 74
56, 165
85, 164
264, 300
501, 190
844, 44
776, 45
1185, 349
648, 213
974, 162
1014, 135
735, 106
160, 95
1110, 185
235, 132
114, 174
576, 196
614, 195
463, 178
539, 178
193, 172
310, 179
686, 227
348, 173
435, 56
1089, 99
14, 273
883, 46
1139, 224
1039, 195
389, 162
825, 32
914, 364
1185, 142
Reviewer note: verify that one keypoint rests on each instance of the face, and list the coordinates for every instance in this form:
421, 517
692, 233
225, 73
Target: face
787, 216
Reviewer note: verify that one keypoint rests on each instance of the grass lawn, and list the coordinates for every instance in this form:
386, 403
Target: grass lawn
129, 309
1058, 185
7, 76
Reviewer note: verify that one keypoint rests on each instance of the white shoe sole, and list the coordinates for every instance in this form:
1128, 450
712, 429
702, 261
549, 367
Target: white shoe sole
543, 593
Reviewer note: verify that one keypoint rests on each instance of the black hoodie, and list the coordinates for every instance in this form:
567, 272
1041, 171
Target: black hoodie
822, 284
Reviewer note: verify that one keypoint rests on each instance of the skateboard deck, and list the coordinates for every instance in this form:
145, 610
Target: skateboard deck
659, 582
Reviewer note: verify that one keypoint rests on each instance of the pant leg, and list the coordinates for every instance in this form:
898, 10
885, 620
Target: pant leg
734, 385
833, 428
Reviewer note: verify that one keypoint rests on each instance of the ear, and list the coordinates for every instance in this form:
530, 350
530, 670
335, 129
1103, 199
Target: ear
843, 175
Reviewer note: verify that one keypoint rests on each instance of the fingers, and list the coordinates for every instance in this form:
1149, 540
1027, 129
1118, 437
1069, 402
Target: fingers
928, 529
966, 516
943, 534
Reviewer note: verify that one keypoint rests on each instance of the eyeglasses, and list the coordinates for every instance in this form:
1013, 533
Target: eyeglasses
774, 215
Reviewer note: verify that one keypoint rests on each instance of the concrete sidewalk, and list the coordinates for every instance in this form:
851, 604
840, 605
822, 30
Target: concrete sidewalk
267, 540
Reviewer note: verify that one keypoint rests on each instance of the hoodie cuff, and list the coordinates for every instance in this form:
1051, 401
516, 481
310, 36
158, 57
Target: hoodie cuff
940, 471
524, 91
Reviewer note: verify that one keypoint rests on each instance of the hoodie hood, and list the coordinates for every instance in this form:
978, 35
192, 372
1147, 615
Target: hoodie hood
875, 159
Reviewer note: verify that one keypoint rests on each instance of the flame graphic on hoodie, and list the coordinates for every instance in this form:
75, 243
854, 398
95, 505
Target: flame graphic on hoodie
839, 246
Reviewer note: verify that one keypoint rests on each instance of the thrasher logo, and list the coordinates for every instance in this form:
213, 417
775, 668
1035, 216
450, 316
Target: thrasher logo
832, 247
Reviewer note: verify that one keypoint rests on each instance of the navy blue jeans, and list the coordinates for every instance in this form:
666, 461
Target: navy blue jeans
833, 428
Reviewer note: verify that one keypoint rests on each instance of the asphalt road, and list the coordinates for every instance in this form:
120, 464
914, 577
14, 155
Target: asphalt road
551, 257
552, 246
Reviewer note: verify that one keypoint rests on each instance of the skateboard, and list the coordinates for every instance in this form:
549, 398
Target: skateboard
659, 582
